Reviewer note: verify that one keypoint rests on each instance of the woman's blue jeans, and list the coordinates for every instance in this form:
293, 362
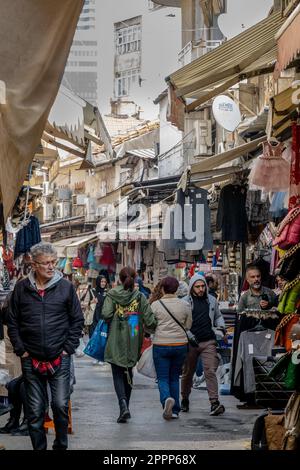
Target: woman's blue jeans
168, 361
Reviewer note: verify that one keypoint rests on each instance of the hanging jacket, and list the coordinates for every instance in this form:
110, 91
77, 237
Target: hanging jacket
128, 313
289, 300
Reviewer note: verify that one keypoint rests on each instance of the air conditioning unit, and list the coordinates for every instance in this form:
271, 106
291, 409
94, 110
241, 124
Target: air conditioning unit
91, 209
101, 211
48, 212
203, 136
63, 194
79, 199
63, 210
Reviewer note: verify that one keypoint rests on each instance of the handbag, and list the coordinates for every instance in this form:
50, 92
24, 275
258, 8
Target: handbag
190, 336
97, 343
146, 366
89, 309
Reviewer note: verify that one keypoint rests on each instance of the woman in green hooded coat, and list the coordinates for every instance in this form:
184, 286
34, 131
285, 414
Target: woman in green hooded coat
128, 314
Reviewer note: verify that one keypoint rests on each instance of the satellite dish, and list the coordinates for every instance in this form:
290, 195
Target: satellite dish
226, 112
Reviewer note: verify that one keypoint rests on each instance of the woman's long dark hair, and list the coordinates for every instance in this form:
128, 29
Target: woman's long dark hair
127, 276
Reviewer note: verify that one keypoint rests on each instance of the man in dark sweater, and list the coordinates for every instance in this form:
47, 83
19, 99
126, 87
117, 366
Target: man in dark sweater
207, 322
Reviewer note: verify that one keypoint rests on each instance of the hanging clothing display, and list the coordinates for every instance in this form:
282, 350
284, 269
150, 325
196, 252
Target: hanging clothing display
244, 322
270, 172
290, 263
290, 296
232, 215
27, 237
257, 208
279, 205
187, 223
283, 330
295, 167
252, 343
108, 256
288, 232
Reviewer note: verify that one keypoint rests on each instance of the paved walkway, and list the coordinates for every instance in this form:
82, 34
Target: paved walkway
95, 410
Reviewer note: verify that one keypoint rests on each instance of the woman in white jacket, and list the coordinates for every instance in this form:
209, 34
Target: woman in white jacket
170, 344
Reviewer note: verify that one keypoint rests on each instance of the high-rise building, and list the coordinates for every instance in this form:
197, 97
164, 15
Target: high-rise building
81, 73
138, 43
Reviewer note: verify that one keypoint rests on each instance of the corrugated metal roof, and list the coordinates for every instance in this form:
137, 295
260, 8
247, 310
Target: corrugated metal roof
253, 49
145, 153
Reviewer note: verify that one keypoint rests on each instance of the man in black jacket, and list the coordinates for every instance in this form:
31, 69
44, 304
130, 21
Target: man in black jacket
44, 325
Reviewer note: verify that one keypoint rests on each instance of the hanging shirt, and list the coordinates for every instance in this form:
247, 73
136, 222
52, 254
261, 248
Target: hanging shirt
251, 343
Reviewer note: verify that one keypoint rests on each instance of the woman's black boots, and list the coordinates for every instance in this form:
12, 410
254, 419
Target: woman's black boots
124, 411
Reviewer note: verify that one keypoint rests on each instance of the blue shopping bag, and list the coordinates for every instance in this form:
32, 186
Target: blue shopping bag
97, 343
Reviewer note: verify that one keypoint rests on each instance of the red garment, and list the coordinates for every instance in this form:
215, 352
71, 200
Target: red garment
41, 292
108, 257
46, 367
294, 200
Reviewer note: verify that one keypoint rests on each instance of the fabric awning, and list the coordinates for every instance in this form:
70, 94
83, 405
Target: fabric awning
68, 247
283, 110
35, 40
288, 41
248, 54
214, 162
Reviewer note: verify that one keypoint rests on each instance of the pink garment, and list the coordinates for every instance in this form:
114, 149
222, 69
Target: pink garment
288, 233
270, 171
295, 168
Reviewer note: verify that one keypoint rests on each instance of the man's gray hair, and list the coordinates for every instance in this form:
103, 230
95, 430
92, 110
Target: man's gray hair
42, 249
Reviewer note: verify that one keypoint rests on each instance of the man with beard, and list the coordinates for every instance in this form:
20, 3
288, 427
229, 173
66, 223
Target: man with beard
208, 323
257, 297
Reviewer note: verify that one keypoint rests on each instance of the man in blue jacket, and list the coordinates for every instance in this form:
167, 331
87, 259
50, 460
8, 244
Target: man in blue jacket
45, 323
207, 323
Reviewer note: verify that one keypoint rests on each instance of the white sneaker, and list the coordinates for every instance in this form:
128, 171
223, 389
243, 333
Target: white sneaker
169, 403
95, 362
175, 416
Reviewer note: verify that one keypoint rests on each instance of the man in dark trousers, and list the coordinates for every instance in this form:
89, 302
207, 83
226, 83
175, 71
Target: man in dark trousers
45, 323
207, 323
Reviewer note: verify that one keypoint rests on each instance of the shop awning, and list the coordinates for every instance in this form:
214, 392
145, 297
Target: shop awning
35, 40
284, 109
251, 53
214, 162
288, 41
68, 247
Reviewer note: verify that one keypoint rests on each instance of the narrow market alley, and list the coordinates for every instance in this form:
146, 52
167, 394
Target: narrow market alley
95, 409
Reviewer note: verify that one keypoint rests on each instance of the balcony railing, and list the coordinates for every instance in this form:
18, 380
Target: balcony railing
193, 51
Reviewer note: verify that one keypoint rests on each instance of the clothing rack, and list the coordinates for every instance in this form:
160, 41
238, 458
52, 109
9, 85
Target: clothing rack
260, 314
247, 320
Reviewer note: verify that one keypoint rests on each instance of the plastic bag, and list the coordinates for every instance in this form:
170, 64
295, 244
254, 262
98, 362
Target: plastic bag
97, 343
146, 366
4, 377
79, 351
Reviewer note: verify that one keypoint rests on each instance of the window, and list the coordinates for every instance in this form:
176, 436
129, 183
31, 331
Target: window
84, 43
128, 39
124, 81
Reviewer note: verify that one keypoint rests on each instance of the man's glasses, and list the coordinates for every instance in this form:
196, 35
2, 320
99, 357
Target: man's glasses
47, 263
